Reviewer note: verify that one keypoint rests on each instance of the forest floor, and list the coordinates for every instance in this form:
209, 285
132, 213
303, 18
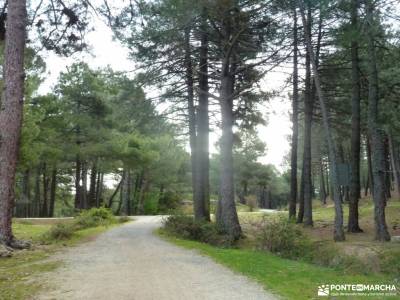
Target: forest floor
130, 262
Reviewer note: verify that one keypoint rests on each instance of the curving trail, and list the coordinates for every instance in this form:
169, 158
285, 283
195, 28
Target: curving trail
130, 263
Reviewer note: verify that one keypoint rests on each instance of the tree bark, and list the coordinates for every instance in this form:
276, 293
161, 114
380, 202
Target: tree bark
338, 234
78, 188
295, 125
308, 115
228, 221
84, 204
198, 205
145, 185
36, 205
322, 190
377, 149
353, 224
395, 164
111, 200
11, 113
388, 179
300, 214
53, 190
26, 193
92, 185
45, 205
99, 189
202, 205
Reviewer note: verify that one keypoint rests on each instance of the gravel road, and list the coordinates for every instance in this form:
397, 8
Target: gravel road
131, 263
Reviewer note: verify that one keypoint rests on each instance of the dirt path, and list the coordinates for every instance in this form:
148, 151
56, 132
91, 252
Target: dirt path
131, 263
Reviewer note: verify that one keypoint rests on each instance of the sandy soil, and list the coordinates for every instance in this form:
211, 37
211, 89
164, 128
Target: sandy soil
129, 262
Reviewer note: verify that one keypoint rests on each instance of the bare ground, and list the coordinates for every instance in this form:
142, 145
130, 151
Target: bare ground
129, 262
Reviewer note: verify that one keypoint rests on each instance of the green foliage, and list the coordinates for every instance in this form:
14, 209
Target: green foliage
168, 201
282, 237
150, 205
59, 232
95, 217
185, 227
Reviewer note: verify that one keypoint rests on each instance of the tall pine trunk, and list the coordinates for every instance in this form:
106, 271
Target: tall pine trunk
353, 225
202, 205
338, 234
295, 116
377, 148
45, 181
78, 188
11, 113
395, 164
53, 190
92, 185
228, 219
198, 205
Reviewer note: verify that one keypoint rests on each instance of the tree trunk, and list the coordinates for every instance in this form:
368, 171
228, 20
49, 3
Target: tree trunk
11, 113
145, 185
92, 185
308, 114
353, 225
370, 176
53, 190
377, 151
128, 200
322, 190
78, 189
136, 192
295, 115
99, 189
36, 205
198, 205
26, 193
388, 180
45, 205
395, 164
338, 227
202, 205
228, 221
300, 214
84, 204
111, 200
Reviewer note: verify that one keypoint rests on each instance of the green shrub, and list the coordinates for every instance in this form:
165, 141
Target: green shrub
150, 205
282, 237
95, 217
185, 227
169, 201
59, 232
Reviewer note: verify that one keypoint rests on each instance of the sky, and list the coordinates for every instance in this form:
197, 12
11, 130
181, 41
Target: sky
107, 52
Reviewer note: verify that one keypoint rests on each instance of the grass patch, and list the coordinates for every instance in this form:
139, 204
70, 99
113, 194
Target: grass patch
288, 278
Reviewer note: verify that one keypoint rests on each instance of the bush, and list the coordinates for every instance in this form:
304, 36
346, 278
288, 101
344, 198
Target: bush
95, 217
58, 232
186, 228
150, 205
280, 236
169, 201
251, 202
